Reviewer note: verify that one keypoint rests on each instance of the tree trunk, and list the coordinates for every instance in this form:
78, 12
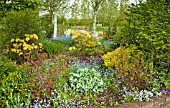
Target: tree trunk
55, 25
94, 24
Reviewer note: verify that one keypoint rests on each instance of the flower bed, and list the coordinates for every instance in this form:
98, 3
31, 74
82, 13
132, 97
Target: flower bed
73, 77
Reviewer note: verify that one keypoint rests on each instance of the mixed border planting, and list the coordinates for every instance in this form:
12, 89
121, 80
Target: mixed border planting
82, 69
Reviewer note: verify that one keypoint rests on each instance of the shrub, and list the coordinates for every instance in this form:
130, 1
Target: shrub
85, 79
87, 44
18, 23
26, 45
132, 71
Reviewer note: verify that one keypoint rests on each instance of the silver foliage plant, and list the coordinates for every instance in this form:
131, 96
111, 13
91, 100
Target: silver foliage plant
85, 78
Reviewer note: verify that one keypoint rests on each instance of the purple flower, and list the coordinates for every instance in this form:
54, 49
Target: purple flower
162, 91
168, 92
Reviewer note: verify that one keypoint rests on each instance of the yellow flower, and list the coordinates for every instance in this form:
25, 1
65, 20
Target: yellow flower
15, 45
101, 32
27, 39
20, 44
72, 48
17, 50
12, 40
35, 47
21, 53
25, 48
24, 44
75, 35
13, 50
22, 40
87, 33
99, 43
17, 39
35, 36
40, 44
26, 35
31, 36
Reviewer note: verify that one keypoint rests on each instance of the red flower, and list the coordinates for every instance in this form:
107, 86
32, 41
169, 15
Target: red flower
7, 46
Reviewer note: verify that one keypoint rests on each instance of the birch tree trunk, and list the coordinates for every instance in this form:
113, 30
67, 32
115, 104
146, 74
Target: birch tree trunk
55, 25
94, 24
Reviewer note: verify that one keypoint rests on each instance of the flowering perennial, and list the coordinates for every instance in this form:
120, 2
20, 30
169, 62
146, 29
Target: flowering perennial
28, 44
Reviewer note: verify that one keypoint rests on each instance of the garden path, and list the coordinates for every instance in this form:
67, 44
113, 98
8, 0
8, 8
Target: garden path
158, 102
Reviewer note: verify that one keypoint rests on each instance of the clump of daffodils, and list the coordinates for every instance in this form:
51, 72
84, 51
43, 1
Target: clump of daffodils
26, 45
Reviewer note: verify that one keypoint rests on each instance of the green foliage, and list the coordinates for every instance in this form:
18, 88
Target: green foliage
53, 47
14, 91
85, 79
47, 26
165, 79
7, 67
80, 22
16, 5
18, 23
148, 28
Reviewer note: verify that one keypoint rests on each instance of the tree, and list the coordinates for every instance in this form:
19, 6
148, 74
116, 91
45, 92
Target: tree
53, 7
108, 12
95, 4
17, 5
148, 28
90, 5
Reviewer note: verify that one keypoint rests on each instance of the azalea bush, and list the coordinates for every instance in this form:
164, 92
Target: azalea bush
29, 45
86, 43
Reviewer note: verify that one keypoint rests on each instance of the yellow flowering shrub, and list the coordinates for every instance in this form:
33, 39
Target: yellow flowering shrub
26, 45
130, 65
118, 58
86, 43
